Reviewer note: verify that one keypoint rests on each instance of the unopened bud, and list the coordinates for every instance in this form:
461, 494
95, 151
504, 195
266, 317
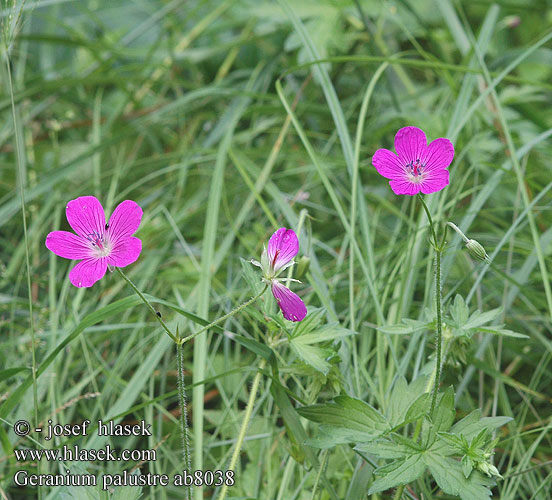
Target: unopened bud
476, 250
302, 266
488, 469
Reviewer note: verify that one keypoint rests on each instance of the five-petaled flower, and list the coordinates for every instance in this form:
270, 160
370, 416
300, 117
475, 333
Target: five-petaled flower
282, 248
416, 166
98, 244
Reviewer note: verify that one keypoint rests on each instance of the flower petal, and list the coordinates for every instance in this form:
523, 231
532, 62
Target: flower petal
86, 216
68, 245
404, 186
87, 272
410, 144
282, 247
124, 220
388, 164
125, 251
291, 305
438, 155
435, 181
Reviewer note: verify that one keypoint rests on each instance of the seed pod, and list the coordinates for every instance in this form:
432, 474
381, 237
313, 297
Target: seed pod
476, 250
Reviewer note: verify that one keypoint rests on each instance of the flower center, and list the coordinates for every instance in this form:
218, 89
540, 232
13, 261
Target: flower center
416, 167
416, 171
101, 245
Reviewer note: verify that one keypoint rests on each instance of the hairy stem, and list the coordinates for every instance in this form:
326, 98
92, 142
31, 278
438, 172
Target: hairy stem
245, 423
183, 414
438, 332
226, 316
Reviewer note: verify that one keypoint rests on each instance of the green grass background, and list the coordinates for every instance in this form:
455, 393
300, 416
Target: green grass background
209, 115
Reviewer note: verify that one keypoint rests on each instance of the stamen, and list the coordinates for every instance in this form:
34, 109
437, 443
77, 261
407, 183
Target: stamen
96, 239
416, 167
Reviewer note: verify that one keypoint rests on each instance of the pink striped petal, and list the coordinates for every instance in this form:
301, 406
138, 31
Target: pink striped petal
438, 155
435, 181
86, 216
404, 186
410, 144
125, 251
282, 247
388, 164
291, 305
87, 272
124, 220
68, 245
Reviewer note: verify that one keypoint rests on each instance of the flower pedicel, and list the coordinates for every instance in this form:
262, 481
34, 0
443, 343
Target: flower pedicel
282, 248
97, 244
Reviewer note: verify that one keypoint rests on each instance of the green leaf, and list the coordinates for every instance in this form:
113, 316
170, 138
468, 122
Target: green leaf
444, 413
251, 276
478, 319
449, 475
328, 332
455, 442
328, 436
472, 424
311, 322
459, 311
398, 472
407, 326
467, 466
348, 413
407, 402
504, 332
305, 335
417, 409
442, 419
312, 355
384, 448
256, 347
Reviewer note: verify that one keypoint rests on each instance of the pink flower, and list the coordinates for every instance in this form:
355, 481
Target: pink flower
416, 166
282, 247
98, 244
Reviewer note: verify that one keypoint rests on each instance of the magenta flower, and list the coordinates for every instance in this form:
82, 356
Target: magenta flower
282, 247
416, 166
98, 244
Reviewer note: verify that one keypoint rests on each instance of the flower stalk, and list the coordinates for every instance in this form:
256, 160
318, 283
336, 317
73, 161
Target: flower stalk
183, 413
226, 316
438, 331
150, 307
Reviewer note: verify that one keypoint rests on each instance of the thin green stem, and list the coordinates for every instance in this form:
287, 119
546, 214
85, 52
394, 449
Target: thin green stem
183, 414
27, 259
433, 233
439, 336
226, 316
245, 423
148, 304
438, 332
